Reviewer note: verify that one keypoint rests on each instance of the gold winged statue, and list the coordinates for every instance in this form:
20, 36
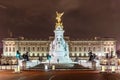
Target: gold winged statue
58, 18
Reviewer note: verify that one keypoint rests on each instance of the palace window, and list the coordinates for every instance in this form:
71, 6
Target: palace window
29, 49
84, 48
33, 54
89, 49
38, 54
47, 48
33, 48
19, 48
9, 49
104, 49
84, 54
23, 48
42, 54
108, 49
80, 54
6, 49
111, 49
70, 48
38, 48
75, 48
13, 49
80, 49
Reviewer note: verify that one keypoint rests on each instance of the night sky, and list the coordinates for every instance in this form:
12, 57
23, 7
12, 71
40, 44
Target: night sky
81, 19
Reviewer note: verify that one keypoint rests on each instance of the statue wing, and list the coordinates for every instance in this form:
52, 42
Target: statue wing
62, 13
57, 13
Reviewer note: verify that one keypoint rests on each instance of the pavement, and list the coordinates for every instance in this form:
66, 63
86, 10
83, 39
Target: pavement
58, 75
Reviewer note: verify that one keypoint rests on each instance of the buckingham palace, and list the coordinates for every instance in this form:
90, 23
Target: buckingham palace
40, 48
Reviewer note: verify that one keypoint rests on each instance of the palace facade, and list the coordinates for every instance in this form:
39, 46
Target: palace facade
77, 48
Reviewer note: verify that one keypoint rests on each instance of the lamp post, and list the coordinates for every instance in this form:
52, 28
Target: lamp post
49, 58
18, 56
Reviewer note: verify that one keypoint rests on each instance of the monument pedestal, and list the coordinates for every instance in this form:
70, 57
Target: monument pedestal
59, 49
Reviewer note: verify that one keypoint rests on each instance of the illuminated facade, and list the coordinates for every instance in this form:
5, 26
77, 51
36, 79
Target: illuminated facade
79, 48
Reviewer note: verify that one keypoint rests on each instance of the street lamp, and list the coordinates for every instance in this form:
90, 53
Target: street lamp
18, 56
